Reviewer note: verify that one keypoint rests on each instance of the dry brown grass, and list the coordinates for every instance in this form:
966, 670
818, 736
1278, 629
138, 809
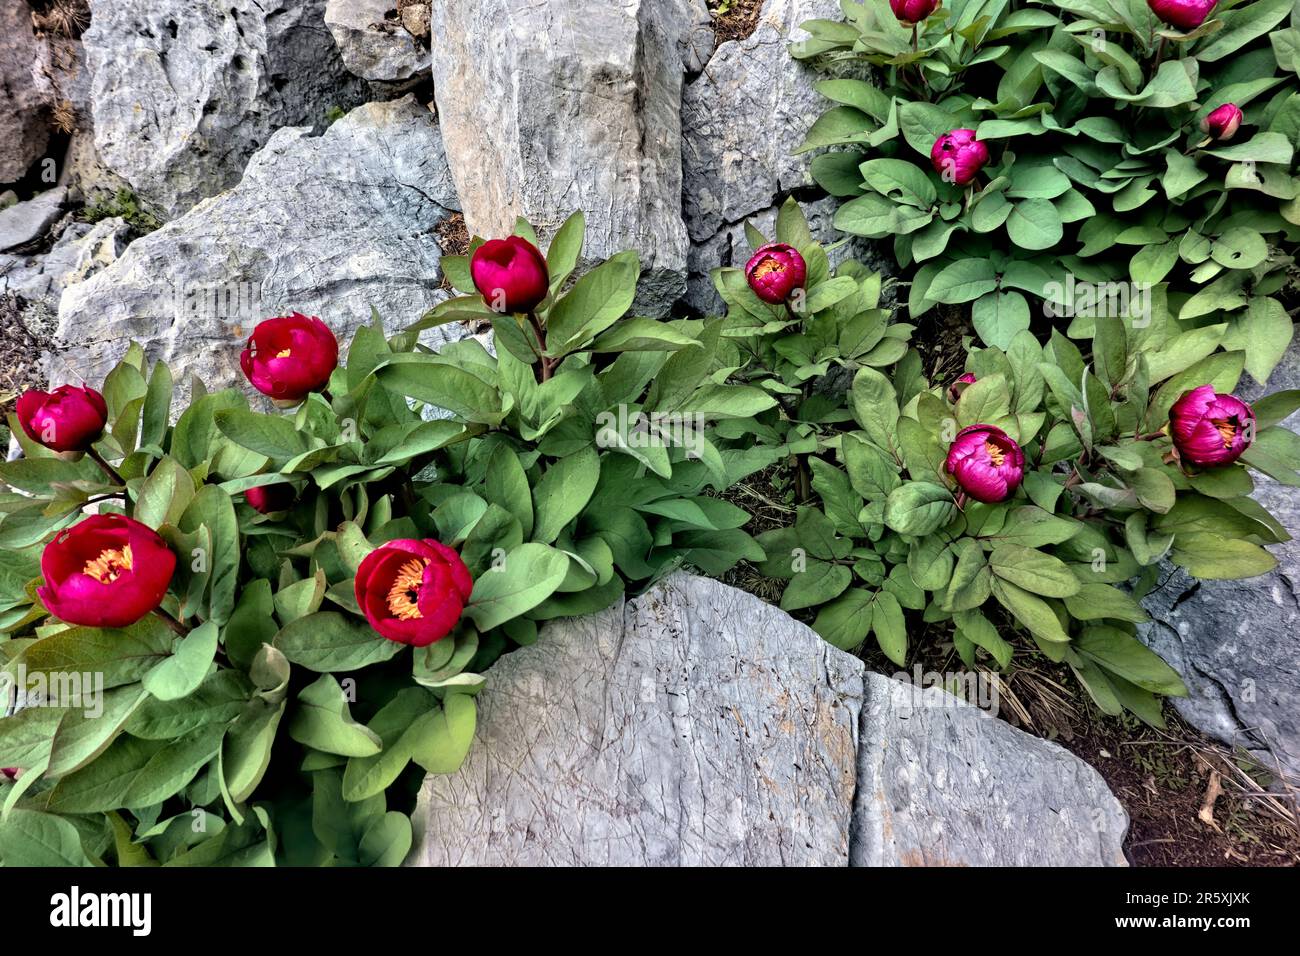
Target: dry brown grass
734, 19
67, 18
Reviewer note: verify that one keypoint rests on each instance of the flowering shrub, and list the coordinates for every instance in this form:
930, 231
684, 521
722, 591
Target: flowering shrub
1089, 158
270, 626
1022, 497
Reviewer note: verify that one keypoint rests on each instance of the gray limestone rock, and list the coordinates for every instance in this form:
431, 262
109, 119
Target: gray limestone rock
697, 725
373, 46
328, 225
943, 783
744, 116
548, 108
184, 93
24, 114
81, 251
26, 222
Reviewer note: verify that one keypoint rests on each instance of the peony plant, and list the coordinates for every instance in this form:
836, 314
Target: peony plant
1026, 502
1086, 158
243, 635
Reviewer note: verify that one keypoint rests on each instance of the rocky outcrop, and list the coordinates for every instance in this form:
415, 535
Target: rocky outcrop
329, 225
184, 93
24, 114
548, 108
375, 43
697, 725
1236, 644
744, 116
942, 783
742, 120
80, 252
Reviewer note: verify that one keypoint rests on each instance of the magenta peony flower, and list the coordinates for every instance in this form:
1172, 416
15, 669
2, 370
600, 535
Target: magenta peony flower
1224, 122
510, 274
958, 156
268, 499
412, 591
775, 271
1209, 429
66, 419
912, 11
954, 391
106, 571
1184, 14
986, 462
290, 357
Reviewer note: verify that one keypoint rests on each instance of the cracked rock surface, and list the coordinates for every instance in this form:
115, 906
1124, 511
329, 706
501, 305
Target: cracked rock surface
1236, 644
942, 783
744, 116
697, 725
328, 225
184, 93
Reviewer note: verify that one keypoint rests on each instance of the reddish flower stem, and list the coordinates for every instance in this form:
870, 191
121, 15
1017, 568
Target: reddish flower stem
544, 363
174, 624
108, 469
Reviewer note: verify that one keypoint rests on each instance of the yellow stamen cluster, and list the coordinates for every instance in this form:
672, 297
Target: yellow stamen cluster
284, 354
405, 592
996, 454
109, 566
767, 267
1227, 430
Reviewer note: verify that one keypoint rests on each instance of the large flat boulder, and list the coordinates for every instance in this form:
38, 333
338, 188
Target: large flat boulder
184, 93
548, 108
944, 783
1236, 644
328, 225
691, 726
698, 725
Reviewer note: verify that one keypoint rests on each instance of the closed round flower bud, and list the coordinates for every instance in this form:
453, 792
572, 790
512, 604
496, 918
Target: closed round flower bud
289, 358
775, 271
269, 499
106, 571
510, 274
1210, 429
1223, 122
958, 156
987, 463
912, 11
66, 419
954, 390
1183, 14
413, 592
